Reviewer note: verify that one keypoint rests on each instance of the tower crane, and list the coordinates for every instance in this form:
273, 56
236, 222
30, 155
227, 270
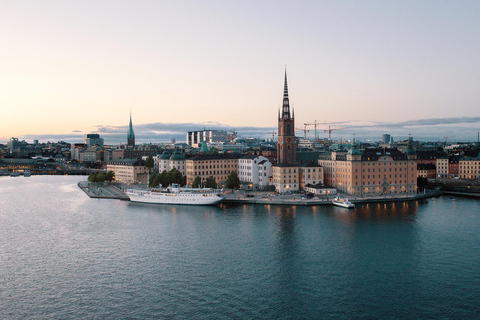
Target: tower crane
330, 129
233, 136
273, 135
305, 130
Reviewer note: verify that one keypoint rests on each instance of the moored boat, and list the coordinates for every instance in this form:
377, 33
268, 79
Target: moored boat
27, 173
177, 195
344, 203
15, 174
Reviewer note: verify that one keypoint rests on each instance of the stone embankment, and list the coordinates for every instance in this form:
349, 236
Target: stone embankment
111, 191
102, 191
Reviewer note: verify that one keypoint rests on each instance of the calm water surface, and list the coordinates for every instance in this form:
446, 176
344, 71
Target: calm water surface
66, 256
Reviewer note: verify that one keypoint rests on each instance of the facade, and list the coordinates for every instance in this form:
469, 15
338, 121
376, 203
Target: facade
448, 166
129, 170
195, 138
442, 167
310, 173
285, 177
374, 171
218, 166
469, 168
166, 162
93, 154
92, 139
426, 170
254, 170
319, 189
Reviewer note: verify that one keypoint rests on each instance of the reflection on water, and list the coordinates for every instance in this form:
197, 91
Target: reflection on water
64, 255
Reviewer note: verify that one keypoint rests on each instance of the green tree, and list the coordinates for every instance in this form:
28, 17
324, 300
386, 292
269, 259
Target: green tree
197, 182
163, 179
149, 162
233, 182
152, 181
175, 176
210, 182
109, 176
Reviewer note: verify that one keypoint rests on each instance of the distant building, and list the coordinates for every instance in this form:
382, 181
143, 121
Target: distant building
386, 138
93, 154
311, 173
426, 170
195, 138
92, 139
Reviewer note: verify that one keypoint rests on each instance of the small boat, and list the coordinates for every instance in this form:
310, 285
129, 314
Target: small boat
27, 173
344, 203
15, 174
177, 195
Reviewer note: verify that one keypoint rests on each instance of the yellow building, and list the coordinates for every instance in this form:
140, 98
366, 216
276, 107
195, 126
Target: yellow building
129, 170
469, 168
218, 166
373, 171
285, 177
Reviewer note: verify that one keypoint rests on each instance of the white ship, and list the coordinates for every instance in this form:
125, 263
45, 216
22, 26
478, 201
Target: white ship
345, 203
176, 195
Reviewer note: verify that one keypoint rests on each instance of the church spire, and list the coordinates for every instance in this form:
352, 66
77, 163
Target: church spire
286, 103
130, 134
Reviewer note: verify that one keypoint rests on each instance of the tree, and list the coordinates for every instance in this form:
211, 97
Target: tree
197, 182
210, 182
153, 181
163, 179
233, 182
175, 176
110, 176
422, 183
149, 162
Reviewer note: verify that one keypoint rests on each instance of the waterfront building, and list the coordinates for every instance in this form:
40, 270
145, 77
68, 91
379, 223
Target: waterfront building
130, 135
254, 170
448, 166
164, 161
129, 170
76, 151
372, 171
310, 173
167, 162
469, 168
218, 166
92, 139
426, 170
320, 190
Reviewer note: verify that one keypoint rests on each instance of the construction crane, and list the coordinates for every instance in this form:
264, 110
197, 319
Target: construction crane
233, 136
305, 130
316, 123
330, 129
273, 135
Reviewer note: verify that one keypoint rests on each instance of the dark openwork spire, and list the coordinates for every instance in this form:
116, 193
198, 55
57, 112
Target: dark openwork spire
286, 103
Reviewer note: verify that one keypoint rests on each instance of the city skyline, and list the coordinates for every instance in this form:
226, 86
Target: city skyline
398, 68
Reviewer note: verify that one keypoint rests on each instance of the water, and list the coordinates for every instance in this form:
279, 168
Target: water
66, 256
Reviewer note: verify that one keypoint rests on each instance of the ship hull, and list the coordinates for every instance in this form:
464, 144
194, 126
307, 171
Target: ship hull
175, 198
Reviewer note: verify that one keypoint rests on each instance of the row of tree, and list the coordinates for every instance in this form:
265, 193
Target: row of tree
101, 177
166, 178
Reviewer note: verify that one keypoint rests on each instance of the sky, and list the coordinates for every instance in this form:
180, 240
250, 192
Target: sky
68, 68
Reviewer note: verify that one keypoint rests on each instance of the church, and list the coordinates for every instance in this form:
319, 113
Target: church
286, 173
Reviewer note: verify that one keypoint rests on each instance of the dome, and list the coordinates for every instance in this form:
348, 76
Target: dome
165, 155
177, 156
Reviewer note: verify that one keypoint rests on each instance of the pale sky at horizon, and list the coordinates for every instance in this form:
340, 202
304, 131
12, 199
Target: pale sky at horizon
68, 66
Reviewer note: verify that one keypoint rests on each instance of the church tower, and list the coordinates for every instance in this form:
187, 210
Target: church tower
286, 147
130, 135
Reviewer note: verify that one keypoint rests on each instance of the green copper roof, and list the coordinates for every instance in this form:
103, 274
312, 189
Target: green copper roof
177, 156
165, 155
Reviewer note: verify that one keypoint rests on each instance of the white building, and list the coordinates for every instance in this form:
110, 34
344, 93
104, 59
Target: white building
254, 170
166, 162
